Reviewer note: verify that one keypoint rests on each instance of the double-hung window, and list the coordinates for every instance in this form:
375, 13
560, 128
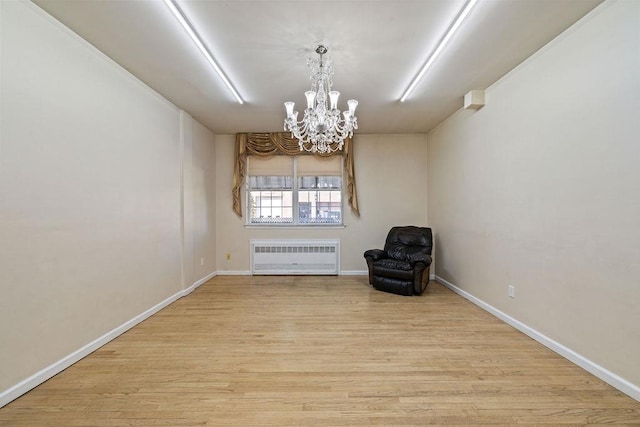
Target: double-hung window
294, 190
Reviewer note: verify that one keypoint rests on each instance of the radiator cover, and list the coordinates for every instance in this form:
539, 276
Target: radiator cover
299, 257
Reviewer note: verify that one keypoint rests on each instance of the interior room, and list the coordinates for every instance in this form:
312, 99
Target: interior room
517, 146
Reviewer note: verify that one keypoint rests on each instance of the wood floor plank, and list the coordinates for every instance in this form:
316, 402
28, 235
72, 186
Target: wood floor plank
320, 351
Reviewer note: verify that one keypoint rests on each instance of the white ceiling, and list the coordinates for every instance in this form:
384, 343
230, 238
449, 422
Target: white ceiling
377, 46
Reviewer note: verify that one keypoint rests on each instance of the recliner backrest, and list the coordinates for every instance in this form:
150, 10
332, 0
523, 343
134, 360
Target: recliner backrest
402, 242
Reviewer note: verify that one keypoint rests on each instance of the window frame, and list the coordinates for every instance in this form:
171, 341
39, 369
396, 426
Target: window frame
295, 201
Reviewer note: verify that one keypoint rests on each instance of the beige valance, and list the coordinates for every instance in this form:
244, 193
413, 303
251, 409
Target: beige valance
269, 165
326, 166
281, 143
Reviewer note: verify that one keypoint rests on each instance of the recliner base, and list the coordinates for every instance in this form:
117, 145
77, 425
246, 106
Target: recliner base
393, 285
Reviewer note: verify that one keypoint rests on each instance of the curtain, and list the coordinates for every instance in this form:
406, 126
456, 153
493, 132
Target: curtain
281, 143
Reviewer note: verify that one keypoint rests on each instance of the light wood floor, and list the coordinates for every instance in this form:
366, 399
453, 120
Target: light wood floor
324, 351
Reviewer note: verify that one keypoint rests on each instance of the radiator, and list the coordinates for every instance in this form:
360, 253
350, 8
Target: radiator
295, 257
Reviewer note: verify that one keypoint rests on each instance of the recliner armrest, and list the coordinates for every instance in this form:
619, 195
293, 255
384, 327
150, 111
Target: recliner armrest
423, 258
375, 254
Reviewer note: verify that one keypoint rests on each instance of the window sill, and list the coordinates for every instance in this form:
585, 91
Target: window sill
291, 226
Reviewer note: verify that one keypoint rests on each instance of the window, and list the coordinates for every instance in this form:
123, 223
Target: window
271, 200
294, 190
320, 200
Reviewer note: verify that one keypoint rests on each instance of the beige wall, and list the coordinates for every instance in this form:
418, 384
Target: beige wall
91, 213
391, 177
203, 180
540, 189
198, 200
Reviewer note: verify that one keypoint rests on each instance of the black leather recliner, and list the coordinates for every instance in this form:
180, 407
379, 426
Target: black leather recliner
403, 266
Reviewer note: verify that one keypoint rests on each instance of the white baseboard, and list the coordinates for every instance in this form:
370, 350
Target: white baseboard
234, 273
366, 273
205, 279
353, 273
198, 283
605, 375
248, 273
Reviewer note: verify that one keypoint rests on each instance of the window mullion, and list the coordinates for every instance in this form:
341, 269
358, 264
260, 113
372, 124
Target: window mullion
294, 186
247, 201
343, 190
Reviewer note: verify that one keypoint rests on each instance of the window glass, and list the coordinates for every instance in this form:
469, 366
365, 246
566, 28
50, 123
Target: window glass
270, 200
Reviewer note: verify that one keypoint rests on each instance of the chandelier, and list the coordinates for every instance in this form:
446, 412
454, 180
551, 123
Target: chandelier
322, 129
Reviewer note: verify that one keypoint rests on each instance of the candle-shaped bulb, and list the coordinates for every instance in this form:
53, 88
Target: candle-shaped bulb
289, 107
311, 96
352, 103
333, 97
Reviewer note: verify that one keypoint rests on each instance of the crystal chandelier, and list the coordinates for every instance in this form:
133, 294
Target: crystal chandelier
322, 129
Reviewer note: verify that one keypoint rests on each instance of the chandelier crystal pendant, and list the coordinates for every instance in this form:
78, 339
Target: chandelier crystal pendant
322, 129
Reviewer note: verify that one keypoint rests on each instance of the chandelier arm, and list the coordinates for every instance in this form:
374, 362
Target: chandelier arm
345, 129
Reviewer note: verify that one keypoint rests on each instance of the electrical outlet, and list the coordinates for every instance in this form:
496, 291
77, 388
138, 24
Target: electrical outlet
201, 262
228, 257
512, 291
